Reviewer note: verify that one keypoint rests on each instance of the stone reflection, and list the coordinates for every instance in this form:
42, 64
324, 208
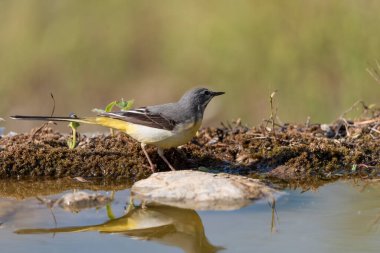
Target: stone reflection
171, 226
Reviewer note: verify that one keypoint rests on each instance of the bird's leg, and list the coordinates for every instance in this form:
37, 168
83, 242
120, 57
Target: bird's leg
161, 153
152, 166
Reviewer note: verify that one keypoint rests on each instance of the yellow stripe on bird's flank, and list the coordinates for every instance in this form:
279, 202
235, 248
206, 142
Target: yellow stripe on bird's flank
111, 123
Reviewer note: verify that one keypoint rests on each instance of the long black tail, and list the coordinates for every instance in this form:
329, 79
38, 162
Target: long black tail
48, 118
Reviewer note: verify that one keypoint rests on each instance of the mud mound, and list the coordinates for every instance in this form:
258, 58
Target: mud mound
292, 152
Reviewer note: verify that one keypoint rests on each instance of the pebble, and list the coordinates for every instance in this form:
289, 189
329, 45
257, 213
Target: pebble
76, 201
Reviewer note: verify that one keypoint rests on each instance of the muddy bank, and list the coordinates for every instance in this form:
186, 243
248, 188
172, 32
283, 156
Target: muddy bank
305, 153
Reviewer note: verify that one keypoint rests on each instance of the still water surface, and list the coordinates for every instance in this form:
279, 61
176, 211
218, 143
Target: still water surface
338, 217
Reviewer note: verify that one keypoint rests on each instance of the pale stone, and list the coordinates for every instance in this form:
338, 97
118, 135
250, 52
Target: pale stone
76, 201
200, 190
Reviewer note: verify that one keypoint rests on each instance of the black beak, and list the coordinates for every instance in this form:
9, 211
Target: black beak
217, 93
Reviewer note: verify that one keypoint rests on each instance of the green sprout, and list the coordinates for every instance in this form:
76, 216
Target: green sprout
121, 104
72, 143
110, 106
110, 214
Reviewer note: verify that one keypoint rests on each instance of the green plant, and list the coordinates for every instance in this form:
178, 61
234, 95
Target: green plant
121, 104
73, 142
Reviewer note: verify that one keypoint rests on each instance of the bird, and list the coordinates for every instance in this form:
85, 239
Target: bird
163, 126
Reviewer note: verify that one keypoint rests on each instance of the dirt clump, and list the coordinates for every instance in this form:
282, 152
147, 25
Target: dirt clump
291, 152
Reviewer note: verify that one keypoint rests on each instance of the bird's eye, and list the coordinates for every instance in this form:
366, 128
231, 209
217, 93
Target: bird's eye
207, 93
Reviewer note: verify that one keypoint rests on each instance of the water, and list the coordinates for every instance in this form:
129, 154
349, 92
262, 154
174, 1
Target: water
338, 217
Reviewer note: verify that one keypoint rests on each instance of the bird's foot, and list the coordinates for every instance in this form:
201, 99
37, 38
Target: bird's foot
152, 167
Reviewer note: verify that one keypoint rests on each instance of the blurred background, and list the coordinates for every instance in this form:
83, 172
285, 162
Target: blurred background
89, 53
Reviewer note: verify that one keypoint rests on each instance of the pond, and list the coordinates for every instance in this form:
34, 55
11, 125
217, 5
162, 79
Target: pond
337, 217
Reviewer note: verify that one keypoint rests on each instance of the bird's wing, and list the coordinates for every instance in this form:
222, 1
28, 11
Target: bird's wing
143, 116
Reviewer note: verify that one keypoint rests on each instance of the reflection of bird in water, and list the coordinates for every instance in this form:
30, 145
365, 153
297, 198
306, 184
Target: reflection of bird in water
172, 226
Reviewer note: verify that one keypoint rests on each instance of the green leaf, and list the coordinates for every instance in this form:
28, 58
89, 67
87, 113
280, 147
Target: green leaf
125, 105
74, 125
110, 106
122, 104
110, 214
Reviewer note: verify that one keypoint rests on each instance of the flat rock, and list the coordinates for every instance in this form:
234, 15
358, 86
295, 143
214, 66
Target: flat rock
200, 190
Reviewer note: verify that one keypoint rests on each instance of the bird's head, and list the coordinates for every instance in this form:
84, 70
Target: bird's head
198, 98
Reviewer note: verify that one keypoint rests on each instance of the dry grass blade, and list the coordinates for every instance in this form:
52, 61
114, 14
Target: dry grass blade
81, 179
367, 122
272, 112
355, 105
47, 123
374, 72
275, 219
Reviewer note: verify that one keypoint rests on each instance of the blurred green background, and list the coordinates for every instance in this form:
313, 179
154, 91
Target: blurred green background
89, 53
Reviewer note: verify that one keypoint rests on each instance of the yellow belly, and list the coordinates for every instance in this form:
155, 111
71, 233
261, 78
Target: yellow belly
158, 137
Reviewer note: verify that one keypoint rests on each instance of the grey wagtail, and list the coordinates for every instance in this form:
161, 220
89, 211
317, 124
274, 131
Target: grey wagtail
164, 126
